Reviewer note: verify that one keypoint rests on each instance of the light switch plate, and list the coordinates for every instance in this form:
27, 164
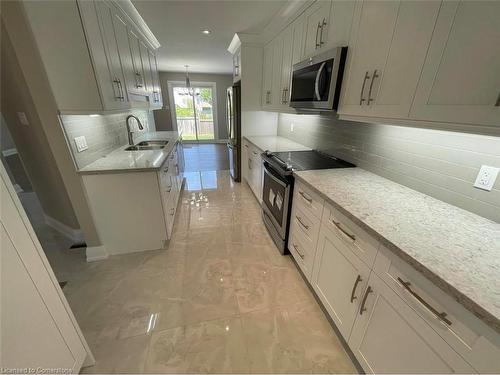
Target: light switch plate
81, 143
486, 177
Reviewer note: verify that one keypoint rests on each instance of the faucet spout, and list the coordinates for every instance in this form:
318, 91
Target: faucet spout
129, 132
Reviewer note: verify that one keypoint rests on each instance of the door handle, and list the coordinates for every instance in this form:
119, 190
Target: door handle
353, 293
363, 308
316, 82
305, 196
375, 75
317, 31
361, 99
302, 223
321, 33
298, 252
337, 224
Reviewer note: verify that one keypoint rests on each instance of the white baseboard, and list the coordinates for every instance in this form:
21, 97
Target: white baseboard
75, 235
95, 253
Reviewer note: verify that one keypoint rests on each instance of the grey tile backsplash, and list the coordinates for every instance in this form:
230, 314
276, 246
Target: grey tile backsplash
103, 133
439, 163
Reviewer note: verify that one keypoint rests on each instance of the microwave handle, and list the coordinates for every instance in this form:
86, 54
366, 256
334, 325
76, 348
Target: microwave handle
316, 83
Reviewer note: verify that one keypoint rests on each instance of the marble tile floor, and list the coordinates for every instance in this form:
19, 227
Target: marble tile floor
219, 299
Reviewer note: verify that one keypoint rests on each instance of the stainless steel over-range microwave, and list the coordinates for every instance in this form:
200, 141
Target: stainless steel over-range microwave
316, 82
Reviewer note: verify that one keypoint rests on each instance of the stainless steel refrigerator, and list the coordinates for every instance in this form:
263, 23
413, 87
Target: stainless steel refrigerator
233, 114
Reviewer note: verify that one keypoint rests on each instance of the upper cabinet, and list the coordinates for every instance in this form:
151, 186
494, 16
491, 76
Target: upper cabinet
317, 19
237, 66
386, 53
96, 57
460, 80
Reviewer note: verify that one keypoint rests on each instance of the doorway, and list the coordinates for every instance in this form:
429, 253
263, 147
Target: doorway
194, 110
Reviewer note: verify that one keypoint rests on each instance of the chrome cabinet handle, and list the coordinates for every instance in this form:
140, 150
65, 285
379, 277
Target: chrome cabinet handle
317, 31
337, 224
353, 293
297, 250
118, 86
172, 211
138, 80
254, 152
301, 222
169, 189
246, 146
165, 170
497, 104
249, 163
286, 95
361, 99
440, 315
321, 33
363, 308
375, 75
304, 195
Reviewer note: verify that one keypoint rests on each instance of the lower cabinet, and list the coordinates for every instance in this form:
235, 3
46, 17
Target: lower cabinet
339, 279
135, 211
255, 171
390, 337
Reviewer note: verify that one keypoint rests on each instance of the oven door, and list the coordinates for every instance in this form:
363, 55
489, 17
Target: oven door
275, 199
316, 81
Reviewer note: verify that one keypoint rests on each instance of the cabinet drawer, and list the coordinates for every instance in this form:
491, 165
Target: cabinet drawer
303, 253
307, 199
357, 239
304, 226
466, 334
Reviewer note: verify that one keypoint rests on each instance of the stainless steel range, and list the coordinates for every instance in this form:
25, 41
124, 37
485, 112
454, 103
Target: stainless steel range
278, 184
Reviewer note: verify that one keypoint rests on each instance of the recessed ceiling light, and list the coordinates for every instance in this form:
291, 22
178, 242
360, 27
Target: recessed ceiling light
206, 32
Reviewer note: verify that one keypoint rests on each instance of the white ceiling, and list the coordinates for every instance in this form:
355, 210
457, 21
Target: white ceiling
178, 24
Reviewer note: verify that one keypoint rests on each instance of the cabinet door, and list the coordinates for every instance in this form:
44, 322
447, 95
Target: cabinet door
244, 161
156, 98
460, 80
339, 279
118, 98
267, 73
387, 55
146, 68
140, 85
299, 28
121, 33
317, 20
390, 337
340, 22
286, 67
276, 93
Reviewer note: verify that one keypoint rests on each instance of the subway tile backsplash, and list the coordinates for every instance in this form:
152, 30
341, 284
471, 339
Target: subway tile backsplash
102, 133
439, 163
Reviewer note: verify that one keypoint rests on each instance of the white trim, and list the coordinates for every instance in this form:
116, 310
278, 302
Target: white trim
95, 253
76, 235
9, 152
212, 85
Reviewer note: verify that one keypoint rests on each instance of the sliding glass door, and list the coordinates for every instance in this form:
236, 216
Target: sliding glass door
195, 112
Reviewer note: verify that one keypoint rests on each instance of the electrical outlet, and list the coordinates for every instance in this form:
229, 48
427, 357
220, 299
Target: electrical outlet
81, 144
486, 177
291, 127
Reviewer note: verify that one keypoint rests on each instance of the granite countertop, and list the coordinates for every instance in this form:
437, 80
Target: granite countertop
455, 249
119, 160
275, 143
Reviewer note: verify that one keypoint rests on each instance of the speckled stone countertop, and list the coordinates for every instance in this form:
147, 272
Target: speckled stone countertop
455, 249
119, 160
275, 143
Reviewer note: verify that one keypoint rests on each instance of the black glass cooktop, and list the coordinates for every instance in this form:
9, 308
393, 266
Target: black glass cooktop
306, 160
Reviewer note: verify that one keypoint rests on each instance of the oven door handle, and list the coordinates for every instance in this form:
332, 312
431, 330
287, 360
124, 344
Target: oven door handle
271, 173
316, 82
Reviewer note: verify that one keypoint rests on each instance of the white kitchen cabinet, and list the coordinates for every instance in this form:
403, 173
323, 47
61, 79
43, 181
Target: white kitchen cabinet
267, 74
86, 56
317, 23
286, 67
237, 66
134, 40
390, 337
460, 81
298, 40
340, 22
276, 93
156, 97
135, 211
387, 49
255, 171
245, 161
339, 279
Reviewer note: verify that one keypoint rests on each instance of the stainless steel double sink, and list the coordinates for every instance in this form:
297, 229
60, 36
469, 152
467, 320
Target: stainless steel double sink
147, 145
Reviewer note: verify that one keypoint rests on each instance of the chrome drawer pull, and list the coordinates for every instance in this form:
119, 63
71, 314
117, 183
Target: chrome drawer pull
301, 222
375, 75
361, 99
358, 280
440, 315
304, 195
351, 236
363, 308
297, 250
